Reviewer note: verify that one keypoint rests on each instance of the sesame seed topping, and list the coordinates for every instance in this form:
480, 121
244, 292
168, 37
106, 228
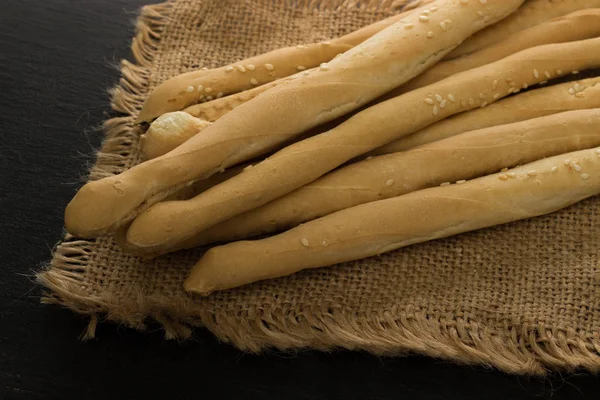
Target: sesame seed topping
305, 73
503, 177
436, 110
326, 43
209, 98
208, 90
430, 34
559, 72
543, 82
190, 89
219, 95
304, 242
536, 73
408, 26
571, 90
547, 74
324, 242
567, 162
495, 84
585, 177
577, 167
554, 169
451, 98
575, 72
443, 104
510, 90
598, 151
429, 101
471, 102
482, 96
496, 96
433, 8
204, 69
300, 67
324, 67
229, 69
511, 175
439, 98
426, 12
240, 68
461, 182
504, 170
301, 46
250, 67
533, 172
445, 184
389, 182
525, 86
200, 88
443, 26
269, 67
423, 18
253, 81
484, 104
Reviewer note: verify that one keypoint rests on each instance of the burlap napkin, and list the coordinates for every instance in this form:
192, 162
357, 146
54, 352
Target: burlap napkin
523, 297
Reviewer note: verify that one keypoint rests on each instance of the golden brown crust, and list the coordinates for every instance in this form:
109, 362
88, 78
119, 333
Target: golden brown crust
532, 13
578, 95
370, 229
384, 61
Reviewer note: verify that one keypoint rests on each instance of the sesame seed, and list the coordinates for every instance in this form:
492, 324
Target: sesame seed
190, 89
430, 34
598, 151
426, 12
324, 242
439, 98
443, 26
229, 69
577, 86
423, 18
389, 182
585, 177
301, 46
547, 74
369, 158
209, 98
304, 242
451, 98
495, 84
436, 111
443, 104
305, 73
326, 43
324, 67
559, 72
482, 96
484, 104
512, 83
536, 73
575, 72
533, 172
577, 167
408, 26
511, 175
433, 8
446, 184
461, 182
496, 96
525, 86
269, 67
504, 170
471, 102
300, 68
567, 162
200, 87
240, 68
571, 90
204, 69
503, 177
250, 67
429, 101
253, 81
219, 95
247, 167
510, 90
543, 82
208, 90
554, 169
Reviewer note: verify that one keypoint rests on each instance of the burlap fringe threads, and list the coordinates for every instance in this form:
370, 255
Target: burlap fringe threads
529, 350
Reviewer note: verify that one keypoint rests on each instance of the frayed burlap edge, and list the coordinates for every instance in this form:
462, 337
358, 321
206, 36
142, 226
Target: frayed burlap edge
525, 350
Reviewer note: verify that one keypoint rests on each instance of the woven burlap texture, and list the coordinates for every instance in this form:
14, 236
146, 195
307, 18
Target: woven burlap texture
523, 297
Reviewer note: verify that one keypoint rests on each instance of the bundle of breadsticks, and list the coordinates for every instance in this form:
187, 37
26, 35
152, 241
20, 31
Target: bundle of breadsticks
451, 116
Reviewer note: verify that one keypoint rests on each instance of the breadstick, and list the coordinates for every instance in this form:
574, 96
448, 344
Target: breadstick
535, 103
168, 131
538, 188
384, 61
166, 225
465, 156
183, 90
533, 12
580, 25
